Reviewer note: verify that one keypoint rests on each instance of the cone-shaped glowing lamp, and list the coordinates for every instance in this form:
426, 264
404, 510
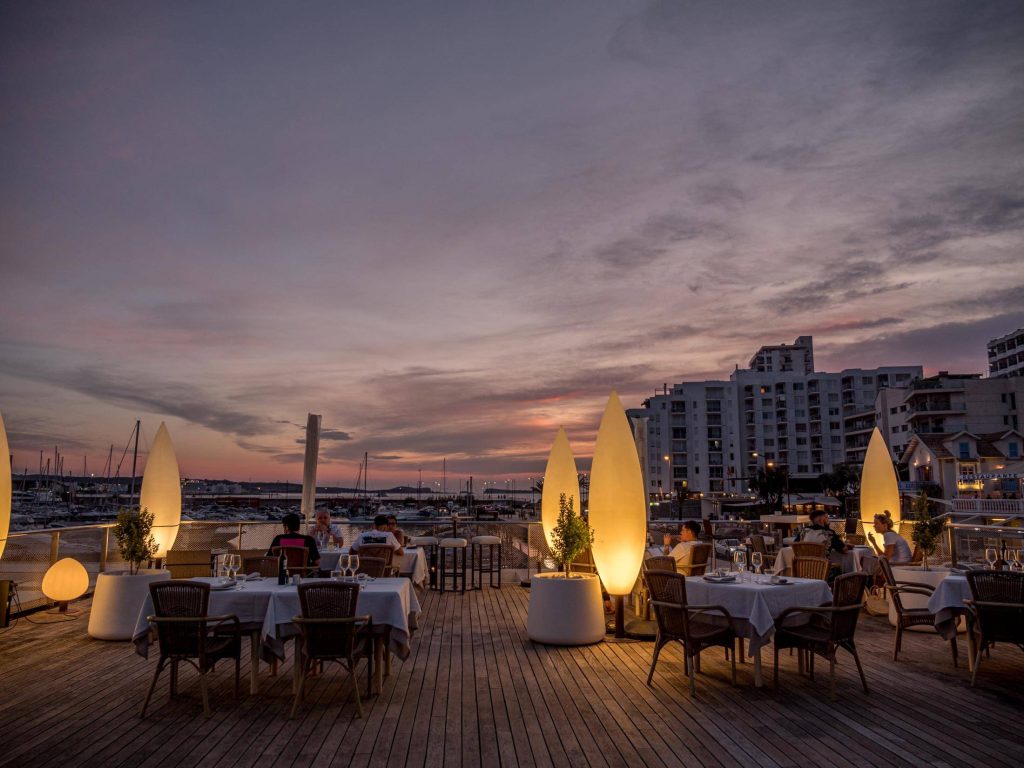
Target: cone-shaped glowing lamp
5, 487
559, 477
618, 513
65, 581
161, 491
879, 486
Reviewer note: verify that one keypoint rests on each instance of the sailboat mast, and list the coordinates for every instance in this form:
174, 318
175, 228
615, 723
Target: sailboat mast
135, 460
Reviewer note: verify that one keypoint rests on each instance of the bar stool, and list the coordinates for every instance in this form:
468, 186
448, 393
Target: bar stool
429, 546
456, 548
480, 546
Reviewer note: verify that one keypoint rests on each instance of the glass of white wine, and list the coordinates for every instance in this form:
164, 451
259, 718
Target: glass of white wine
991, 557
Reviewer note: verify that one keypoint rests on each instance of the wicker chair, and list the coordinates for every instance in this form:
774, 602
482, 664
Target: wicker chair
186, 563
296, 560
376, 567
995, 612
698, 561
809, 549
332, 632
810, 567
663, 563
186, 633
264, 566
829, 629
378, 551
908, 617
686, 624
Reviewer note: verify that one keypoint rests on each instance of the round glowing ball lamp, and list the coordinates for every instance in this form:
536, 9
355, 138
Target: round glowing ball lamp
879, 486
618, 508
64, 581
161, 491
560, 477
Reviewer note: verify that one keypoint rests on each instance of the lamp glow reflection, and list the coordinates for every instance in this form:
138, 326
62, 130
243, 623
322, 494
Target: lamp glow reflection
161, 491
879, 486
617, 512
64, 581
560, 477
5, 487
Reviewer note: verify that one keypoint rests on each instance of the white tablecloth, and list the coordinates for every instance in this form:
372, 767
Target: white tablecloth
756, 606
847, 561
391, 603
947, 603
412, 564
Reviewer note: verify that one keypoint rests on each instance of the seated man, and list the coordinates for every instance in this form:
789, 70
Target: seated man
689, 535
379, 536
292, 538
397, 532
820, 533
324, 527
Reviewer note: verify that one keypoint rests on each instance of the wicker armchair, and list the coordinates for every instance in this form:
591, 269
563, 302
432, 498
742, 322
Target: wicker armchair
296, 560
185, 563
332, 632
908, 617
264, 566
186, 633
376, 567
809, 549
698, 561
662, 563
829, 629
995, 612
810, 567
686, 624
378, 551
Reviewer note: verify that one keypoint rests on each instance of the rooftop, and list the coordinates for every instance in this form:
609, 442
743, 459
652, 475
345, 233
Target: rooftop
475, 691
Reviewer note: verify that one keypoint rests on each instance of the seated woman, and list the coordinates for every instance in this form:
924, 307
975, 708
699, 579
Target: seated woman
894, 547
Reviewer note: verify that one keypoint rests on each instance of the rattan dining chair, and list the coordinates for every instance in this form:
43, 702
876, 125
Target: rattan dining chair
296, 560
376, 568
690, 625
698, 564
264, 566
908, 617
829, 628
809, 549
186, 633
379, 551
810, 567
660, 563
332, 632
995, 611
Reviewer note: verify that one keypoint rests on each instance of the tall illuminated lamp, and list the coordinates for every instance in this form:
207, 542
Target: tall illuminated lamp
5, 518
618, 513
879, 486
560, 477
161, 491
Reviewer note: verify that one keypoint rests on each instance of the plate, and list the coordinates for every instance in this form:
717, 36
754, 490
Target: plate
720, 579
221, 587
779, 583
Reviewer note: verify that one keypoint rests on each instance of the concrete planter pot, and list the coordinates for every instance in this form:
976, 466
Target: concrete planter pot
565, 611
117, 600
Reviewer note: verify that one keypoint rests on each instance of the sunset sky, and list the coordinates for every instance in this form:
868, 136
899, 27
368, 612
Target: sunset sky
450, 227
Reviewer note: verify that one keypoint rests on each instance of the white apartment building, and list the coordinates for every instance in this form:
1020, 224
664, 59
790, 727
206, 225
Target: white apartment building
711, 436
1006, 355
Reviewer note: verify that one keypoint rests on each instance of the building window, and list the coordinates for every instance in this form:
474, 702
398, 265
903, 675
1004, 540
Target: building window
965, 450
1014, 450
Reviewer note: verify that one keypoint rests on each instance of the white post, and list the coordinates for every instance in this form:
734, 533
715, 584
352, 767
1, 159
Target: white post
309, 466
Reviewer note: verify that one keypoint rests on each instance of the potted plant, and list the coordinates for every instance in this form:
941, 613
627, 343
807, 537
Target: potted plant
120, 595
927, 529
565, 607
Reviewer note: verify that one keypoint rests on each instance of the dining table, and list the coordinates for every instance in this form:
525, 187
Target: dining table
265, 610
411, 564
754, 604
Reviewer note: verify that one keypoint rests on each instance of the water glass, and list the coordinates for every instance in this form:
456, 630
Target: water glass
739, 559
336, 574
756, 561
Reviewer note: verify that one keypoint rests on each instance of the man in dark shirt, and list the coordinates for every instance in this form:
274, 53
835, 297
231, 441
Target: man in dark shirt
820, 533
292, 538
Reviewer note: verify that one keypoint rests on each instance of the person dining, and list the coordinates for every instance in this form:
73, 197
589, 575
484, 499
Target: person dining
325, 529
397, 532
689, 535
292, 538
894, 547
819, 532
379, 536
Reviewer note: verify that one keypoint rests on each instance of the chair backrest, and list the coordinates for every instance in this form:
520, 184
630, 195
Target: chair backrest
810, 567
185, 563
758, 545
999, 624
378, 551
264, 566
373, 566
328, 600
847, 590
809, 549
180, 598
663, 563
709, 529
851, 525
669, 589
295, 558
699, 555
890, 581
584, 562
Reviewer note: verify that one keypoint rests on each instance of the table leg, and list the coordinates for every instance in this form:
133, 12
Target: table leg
758, 679
297, 670
254, 661
378, 663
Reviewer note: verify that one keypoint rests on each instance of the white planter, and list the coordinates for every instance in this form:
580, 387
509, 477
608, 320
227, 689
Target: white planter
565, 611
915, 573
117, 600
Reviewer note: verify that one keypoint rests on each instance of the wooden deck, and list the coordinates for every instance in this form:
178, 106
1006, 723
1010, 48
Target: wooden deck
476, 692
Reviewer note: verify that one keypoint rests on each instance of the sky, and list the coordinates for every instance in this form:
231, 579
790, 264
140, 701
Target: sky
452, 227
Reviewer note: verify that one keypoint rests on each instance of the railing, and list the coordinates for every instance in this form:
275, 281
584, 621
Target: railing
28, 554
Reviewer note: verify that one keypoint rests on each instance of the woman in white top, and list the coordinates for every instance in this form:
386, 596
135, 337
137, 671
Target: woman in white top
896, 550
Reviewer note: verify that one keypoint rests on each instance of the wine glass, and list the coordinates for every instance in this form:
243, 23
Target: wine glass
991, 557
1015, 563
739, 559
757, 561
355, 563
345, 563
